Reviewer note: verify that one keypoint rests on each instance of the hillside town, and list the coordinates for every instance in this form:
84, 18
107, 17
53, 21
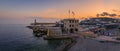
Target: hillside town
103, 29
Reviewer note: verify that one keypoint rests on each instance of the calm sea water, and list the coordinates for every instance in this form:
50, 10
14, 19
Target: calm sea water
16, 37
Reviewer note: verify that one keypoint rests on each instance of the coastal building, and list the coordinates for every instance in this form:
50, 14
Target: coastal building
71, 25
105, 26
99, 21
104, 19
118, 20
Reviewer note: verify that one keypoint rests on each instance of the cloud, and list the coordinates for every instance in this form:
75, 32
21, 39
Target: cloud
108, 14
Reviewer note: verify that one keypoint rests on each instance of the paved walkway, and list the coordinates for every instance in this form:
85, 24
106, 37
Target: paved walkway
93, 45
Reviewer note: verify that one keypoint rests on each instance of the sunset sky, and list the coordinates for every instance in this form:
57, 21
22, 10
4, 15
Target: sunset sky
56, 8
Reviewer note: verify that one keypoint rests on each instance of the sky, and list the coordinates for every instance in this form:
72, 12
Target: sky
16, 9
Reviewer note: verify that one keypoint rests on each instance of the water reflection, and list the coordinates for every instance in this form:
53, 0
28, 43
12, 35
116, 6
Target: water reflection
54, 43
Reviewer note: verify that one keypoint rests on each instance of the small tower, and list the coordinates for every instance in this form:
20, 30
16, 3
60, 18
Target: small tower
35, 22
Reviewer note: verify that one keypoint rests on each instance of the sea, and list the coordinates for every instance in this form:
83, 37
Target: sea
17, 37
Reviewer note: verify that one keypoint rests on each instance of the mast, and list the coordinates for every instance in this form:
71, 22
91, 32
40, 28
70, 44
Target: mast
73, 14
69, 13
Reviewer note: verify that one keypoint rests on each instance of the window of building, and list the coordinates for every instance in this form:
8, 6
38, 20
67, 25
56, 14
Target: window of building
72, 21
72, 25
76, 21
76, 29
69, 25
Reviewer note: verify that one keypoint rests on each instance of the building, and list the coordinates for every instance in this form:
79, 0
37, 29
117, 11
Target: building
71, 25
105, 20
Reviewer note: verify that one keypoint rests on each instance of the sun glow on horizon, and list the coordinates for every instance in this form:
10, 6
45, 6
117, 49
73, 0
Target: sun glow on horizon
57, 8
